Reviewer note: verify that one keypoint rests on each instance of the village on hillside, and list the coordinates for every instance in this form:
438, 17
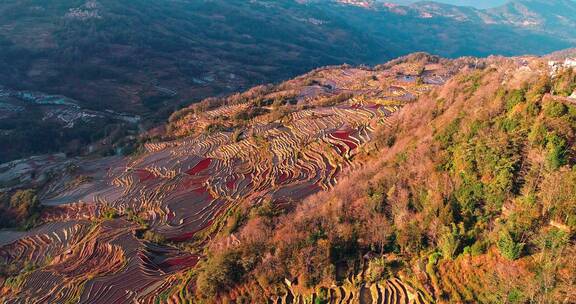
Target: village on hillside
557, 66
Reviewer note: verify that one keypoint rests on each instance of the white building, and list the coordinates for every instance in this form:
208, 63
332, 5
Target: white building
570, 63
556, 66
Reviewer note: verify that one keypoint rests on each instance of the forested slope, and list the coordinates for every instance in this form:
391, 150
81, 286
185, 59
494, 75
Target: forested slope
468, 196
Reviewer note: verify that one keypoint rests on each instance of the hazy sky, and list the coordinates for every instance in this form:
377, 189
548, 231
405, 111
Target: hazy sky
474, 3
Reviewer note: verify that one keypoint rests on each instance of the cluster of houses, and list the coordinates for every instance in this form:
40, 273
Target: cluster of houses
556, 66
58, 107
38, 98
87, 11
361, 3
571, 63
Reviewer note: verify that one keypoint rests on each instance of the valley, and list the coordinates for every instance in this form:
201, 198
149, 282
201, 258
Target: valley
150, 59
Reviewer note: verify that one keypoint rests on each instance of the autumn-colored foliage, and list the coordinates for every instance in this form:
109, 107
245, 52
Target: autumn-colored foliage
479, 175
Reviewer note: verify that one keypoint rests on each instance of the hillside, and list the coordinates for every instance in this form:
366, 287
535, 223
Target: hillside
156, 211
146, 59
468, 196
420, 180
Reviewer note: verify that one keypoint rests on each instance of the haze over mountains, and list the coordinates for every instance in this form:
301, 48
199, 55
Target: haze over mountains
145, 59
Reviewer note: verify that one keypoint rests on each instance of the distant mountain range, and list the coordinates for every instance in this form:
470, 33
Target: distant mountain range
555, 17
149, 58
473, 3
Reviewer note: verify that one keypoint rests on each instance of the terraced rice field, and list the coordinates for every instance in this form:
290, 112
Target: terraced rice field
391, 291
183, 189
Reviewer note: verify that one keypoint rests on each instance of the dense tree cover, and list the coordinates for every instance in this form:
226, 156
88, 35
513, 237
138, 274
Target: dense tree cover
479, 173
27, 134
196, 48
19, 209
